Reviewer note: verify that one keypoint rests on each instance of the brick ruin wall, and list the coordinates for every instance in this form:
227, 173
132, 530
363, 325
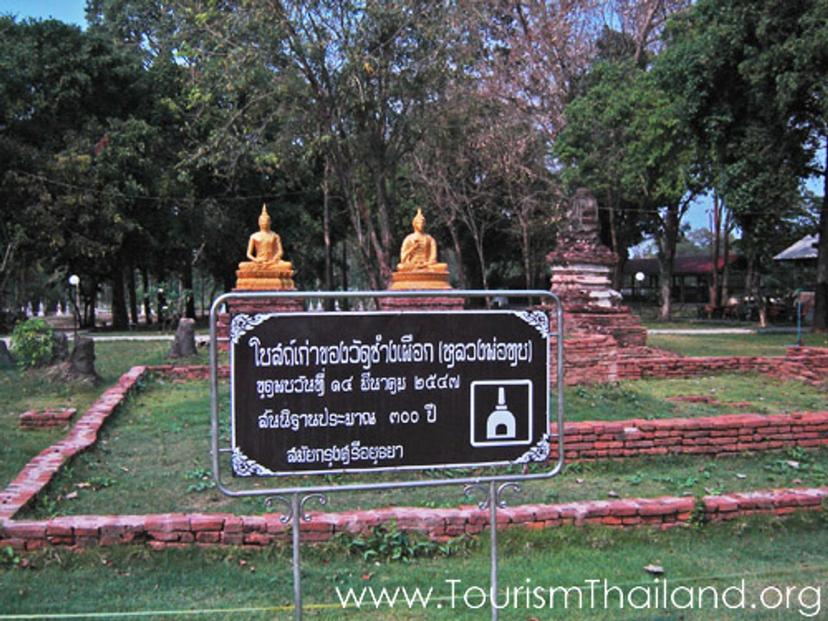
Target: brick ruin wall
598, 360
591, 359
178, 530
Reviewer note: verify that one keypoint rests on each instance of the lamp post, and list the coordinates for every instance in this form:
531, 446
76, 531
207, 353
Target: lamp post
74, 281
639, 278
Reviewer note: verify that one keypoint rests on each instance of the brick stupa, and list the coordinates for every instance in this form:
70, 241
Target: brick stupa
581, 267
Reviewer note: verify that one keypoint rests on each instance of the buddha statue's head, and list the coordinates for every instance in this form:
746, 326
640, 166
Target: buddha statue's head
264, 219
419, 221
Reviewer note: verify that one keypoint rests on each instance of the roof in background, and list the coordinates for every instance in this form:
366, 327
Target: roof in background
803, 250
682, 265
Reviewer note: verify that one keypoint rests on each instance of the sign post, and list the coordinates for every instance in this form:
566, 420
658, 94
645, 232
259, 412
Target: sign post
331, 393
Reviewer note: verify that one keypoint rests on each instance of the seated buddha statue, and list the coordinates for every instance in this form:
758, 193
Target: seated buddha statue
418, 267
265, 270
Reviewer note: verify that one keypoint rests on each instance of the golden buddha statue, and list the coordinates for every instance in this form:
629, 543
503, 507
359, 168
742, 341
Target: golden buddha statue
418, 267
265, 270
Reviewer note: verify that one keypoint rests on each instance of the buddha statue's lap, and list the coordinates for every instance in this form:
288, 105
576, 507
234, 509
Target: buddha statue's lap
433, 267
266, 266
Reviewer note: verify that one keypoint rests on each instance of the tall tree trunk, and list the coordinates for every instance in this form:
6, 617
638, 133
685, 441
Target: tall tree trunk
821, 301
326, 231
370, 242
728, 225
189, 292
147, 303
484, 277
383, 249
326, 226
120, 320
612, 226
749, 281
458, 253
133, 296
666, 260
754, 289
202, 289
6, 270
713, 297
90, 301
344, 268
618, 270
525, 248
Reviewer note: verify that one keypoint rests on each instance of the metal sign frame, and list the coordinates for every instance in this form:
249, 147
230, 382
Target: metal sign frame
295, 498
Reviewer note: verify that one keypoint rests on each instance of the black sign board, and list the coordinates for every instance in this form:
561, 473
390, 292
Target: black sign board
351, 392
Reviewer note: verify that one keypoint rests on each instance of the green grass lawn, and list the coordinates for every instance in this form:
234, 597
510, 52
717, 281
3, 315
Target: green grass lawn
766, 553
24, 390
742, 393
700, 324
733, 344
153, 456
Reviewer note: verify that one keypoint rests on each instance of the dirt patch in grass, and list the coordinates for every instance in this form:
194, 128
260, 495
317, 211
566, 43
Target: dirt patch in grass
733, 344
691, 397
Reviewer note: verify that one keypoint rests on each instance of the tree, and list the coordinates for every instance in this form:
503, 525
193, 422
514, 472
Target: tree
358, 77
624, 140
59, 88
749, 78
485, 166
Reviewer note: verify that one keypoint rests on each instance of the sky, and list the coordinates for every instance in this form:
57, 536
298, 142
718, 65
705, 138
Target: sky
71, 11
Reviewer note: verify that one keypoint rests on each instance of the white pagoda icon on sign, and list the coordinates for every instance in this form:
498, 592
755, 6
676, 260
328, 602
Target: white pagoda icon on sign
501, 422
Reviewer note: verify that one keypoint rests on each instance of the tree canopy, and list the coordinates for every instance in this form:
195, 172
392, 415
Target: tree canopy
138, 152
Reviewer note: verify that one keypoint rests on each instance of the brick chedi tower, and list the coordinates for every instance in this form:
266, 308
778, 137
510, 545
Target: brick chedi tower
581, 268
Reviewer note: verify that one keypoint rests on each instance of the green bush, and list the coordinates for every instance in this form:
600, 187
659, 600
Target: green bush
33, 343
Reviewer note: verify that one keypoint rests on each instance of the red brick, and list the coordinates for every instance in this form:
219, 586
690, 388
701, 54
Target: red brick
202, 522
167, 522
258, 538
233, 524
58, 529
25, 530
207, 537
232, 538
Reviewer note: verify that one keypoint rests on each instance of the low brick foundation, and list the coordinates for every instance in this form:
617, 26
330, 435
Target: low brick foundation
711, 435
587, 440
172, 530
50, 417
42, 468
597, 359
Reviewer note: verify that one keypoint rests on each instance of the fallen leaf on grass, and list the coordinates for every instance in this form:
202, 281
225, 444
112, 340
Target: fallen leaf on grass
656, 570
71, 496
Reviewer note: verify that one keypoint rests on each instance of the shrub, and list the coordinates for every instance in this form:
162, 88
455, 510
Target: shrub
33, 343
